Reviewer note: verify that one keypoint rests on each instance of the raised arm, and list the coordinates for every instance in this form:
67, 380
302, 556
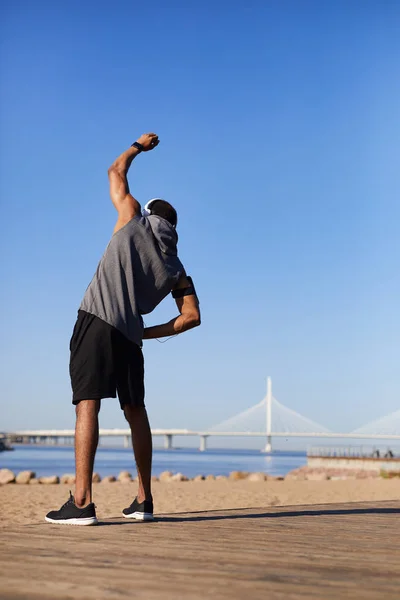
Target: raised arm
188, 306
126, 205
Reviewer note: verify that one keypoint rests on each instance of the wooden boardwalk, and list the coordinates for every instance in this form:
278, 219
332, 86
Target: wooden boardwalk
319, 552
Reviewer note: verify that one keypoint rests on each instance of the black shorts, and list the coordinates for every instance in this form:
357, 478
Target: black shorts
104, 362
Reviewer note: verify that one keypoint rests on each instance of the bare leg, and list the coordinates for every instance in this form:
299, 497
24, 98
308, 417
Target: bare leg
86, 440
142, 447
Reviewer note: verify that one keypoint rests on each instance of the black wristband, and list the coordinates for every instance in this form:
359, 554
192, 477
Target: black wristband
140, 147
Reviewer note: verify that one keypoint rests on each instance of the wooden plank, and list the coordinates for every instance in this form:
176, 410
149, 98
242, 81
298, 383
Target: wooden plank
329, 551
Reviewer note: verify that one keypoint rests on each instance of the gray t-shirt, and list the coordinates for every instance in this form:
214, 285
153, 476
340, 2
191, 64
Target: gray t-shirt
138, 270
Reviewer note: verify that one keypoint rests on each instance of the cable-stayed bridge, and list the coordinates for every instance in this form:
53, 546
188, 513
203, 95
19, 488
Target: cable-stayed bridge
268, 419
384, 426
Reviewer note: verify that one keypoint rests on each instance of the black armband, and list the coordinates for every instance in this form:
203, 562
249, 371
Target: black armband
187, 291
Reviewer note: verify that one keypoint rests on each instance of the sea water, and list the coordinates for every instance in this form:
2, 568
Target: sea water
57, 460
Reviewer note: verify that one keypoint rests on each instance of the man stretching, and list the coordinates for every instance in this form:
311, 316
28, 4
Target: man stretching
139, 269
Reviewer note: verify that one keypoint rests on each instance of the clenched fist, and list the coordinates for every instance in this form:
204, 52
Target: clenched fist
149, 141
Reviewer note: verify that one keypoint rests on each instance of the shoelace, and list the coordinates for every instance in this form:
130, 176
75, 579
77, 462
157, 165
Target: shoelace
69, 501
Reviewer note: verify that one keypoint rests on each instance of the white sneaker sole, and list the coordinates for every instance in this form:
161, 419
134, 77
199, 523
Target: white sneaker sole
139, 516
85, 521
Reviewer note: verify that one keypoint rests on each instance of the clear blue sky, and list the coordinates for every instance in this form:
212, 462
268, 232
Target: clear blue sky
279, 127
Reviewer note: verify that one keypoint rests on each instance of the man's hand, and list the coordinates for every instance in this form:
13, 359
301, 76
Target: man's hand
149, 141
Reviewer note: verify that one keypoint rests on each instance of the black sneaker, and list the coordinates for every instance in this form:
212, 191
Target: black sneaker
140, 512
70, 514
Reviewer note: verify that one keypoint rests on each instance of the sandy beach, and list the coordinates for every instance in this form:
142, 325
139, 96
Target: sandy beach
193, 496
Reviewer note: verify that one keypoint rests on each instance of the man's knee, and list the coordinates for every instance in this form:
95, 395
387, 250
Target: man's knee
88, 406
132, 413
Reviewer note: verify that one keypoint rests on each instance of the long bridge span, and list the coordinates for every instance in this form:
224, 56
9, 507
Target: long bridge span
66, 436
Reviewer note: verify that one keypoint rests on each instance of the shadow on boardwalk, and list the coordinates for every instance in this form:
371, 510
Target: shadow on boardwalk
197, 516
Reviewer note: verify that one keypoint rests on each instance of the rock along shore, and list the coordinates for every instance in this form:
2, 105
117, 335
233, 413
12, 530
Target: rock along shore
302, 474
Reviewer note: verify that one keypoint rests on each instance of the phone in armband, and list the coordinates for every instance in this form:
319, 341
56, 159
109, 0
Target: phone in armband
187, 291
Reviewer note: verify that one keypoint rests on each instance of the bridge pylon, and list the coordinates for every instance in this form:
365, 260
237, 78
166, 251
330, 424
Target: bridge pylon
268, 415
